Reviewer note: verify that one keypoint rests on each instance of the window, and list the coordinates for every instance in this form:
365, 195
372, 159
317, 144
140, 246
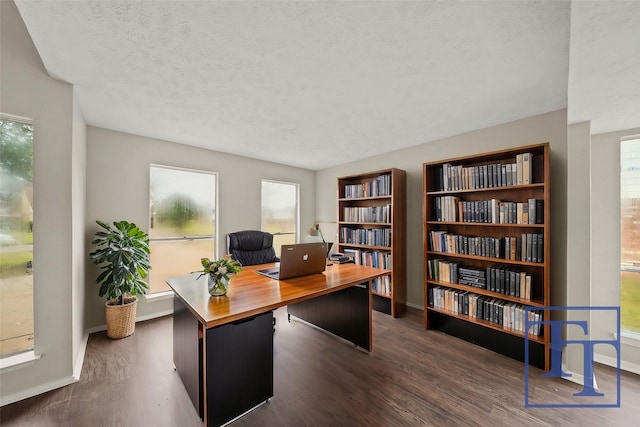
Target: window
630, 234
16, 236
280, 212
182, 223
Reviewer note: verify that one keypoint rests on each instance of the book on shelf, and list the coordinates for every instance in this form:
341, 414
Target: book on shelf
367, 213
520, 213
382, 285
509, 280
446, 208
536, 211
501, 279
532, 210
526, 247
354, 254
527, 168
366, 236
509, 315
442, 270
371, 258
493, 211
472, 276
539, 215
376, 187
451, 177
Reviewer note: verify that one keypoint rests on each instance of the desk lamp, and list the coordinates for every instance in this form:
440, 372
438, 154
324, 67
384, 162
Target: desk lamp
315, 231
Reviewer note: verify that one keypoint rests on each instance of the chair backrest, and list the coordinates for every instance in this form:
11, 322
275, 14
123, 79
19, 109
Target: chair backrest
251, 247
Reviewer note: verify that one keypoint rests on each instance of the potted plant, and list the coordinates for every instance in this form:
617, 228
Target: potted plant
219, 273
122, 253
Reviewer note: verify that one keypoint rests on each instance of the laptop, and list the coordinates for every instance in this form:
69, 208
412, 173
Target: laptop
298, 260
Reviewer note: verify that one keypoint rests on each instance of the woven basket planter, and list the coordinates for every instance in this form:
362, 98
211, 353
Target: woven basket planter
121, 318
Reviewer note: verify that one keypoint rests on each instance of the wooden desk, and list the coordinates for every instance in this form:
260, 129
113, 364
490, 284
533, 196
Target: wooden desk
223, 346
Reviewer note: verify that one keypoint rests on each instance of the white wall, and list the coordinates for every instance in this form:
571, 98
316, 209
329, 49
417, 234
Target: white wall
79, 247
605, 243
551, 127
118, 188
578, 240
28, 91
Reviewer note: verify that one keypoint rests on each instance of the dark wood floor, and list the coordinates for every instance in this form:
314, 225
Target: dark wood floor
413, 377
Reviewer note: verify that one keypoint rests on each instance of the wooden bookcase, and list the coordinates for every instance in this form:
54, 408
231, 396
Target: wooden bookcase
469, 233
372, 229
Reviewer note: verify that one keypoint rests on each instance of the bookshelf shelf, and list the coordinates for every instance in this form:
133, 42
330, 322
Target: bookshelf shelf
370, 198
366, 247
380, 294
372, 224
480, 291
492, 189
486, 233
484, 224
481, 258
490, 325
372, 229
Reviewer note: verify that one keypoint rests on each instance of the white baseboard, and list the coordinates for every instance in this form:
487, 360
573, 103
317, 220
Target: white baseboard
77, 367
574, 378
612, 361
605, 360
138, 319
154, 315
417, 307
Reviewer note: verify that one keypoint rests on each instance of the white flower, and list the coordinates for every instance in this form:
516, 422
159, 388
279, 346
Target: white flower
222, 269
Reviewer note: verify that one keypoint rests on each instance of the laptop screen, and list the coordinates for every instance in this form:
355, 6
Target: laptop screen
300, 260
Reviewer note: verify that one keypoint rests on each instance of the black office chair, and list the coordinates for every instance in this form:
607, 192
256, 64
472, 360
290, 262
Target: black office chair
251, 247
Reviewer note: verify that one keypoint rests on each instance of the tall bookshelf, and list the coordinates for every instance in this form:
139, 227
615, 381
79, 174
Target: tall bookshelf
372, 230
486, 242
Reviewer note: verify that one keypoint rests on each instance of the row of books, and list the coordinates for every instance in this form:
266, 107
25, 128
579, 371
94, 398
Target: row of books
446, 208
382, 285
367, 213
379, 186
507, 280
471, 276
442, 270
509, 315
494, 211
366, 236
378, 259
457, 177
443, 241
528, 247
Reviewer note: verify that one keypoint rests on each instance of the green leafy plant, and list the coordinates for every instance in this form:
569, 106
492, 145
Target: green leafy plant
122, 252
219, 269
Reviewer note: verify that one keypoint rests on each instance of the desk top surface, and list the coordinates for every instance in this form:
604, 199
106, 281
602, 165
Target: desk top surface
251, 294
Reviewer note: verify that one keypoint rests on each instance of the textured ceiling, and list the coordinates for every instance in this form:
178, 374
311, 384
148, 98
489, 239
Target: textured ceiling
604, 76
307, 83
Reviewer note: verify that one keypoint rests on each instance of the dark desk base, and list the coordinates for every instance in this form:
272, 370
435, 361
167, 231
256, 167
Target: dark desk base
344, 313
239, 363
239, 367
187, 352
228, 370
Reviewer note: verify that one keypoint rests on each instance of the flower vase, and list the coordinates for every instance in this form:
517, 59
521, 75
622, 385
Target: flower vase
217, 286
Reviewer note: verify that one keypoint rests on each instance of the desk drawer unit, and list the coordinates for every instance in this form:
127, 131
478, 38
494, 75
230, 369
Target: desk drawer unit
239, 367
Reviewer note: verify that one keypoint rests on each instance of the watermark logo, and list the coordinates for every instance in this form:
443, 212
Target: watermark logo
578, 324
